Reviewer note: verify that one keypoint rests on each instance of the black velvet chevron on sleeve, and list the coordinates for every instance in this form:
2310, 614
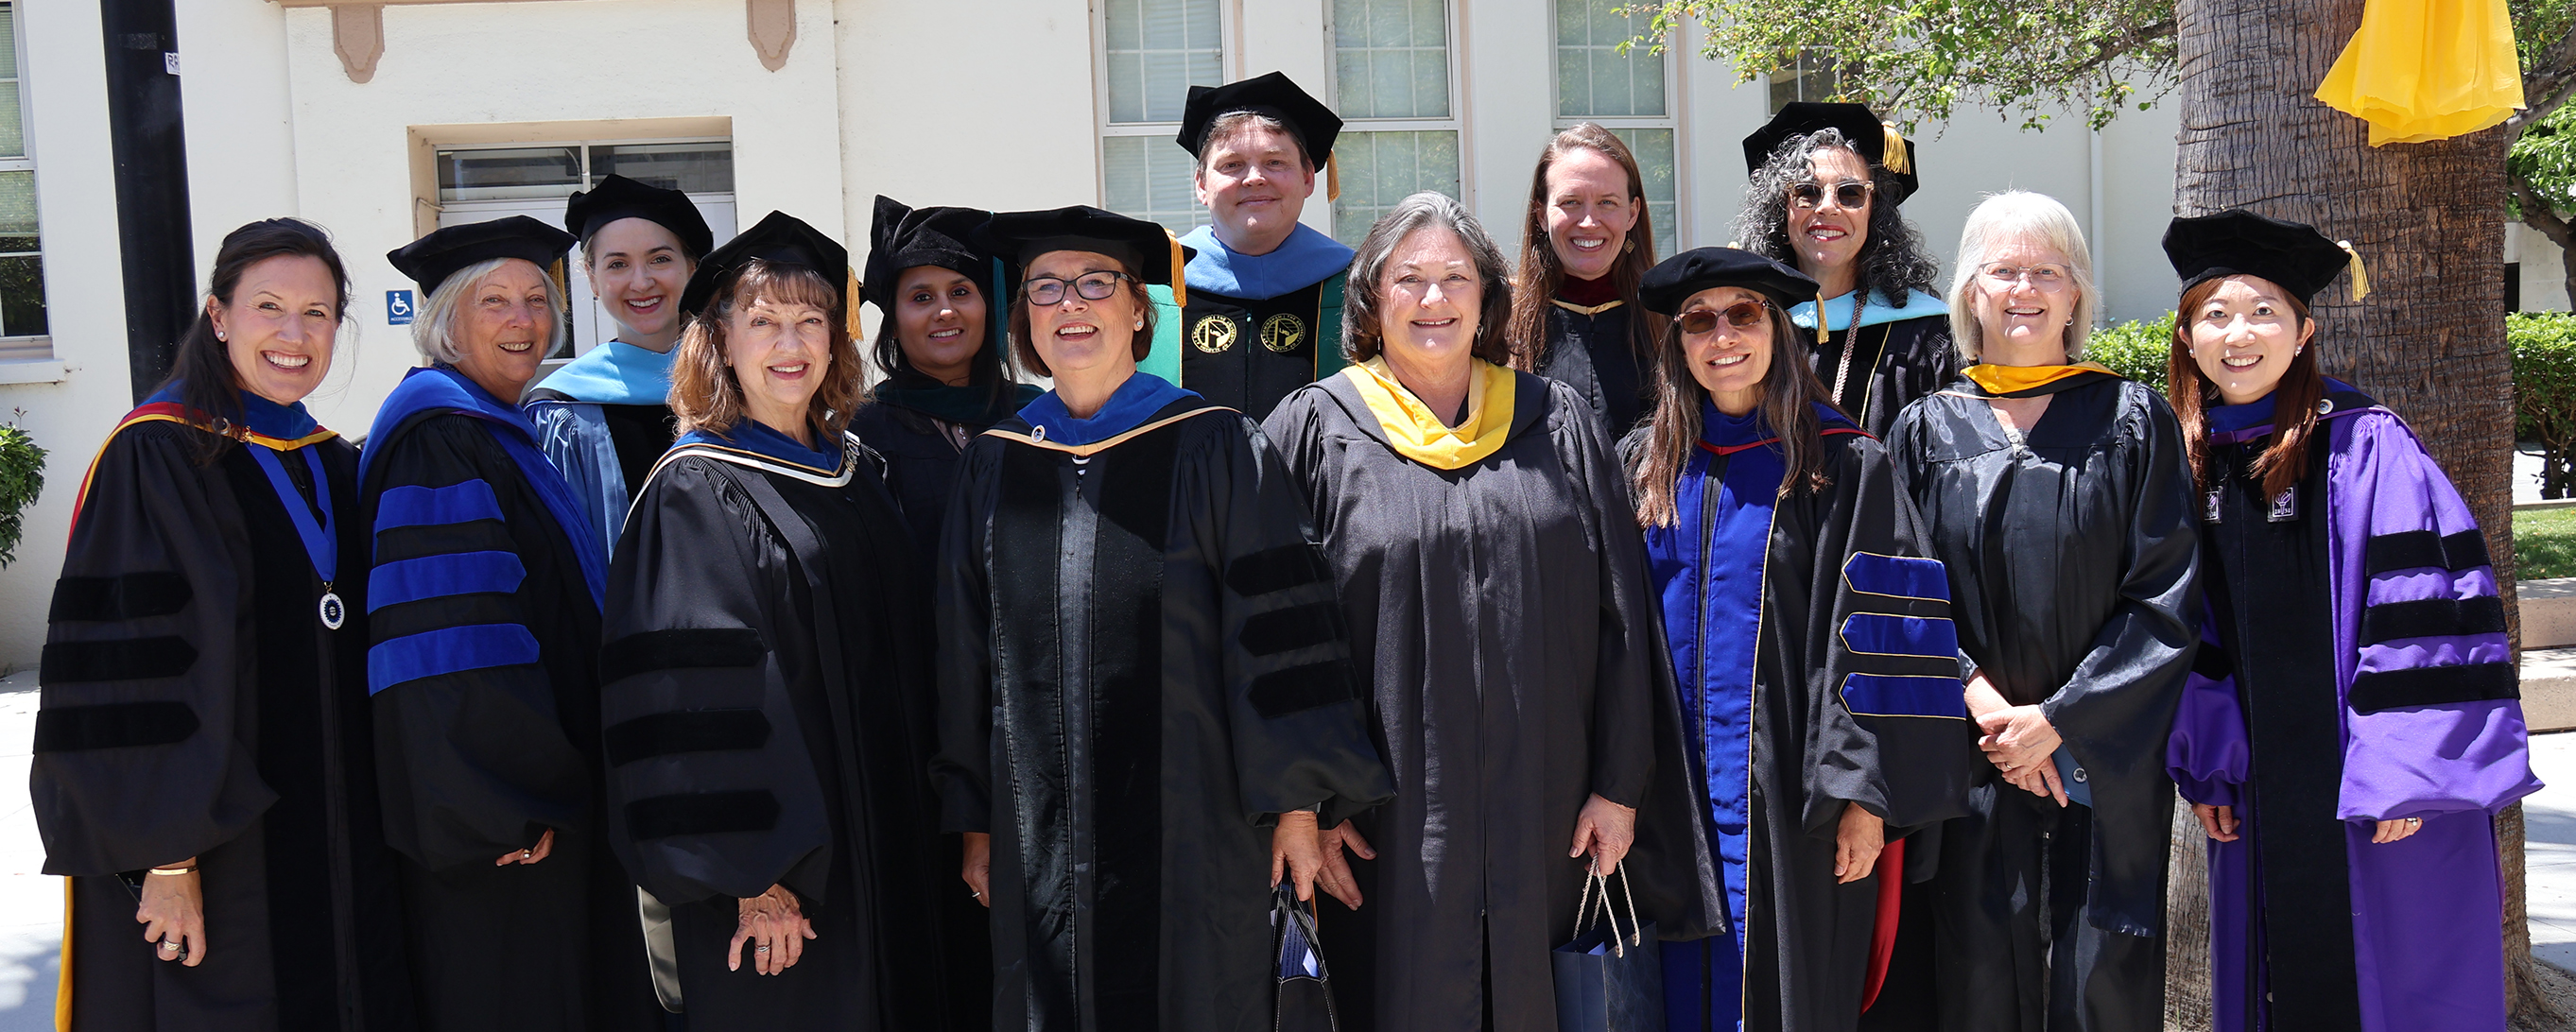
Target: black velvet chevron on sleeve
114, 725
122, 597
2433, 686
685, 731
2431, 618
680, 649
2420, 549
701, 813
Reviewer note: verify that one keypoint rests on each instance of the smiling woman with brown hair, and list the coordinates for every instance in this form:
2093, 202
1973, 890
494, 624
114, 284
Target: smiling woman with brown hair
1586, 241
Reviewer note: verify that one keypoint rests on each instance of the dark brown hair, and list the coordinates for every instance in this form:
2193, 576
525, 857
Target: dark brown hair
1365, 297
2294, 399
1790, 392
1542, 273
203, 369
1027, 350
704, 391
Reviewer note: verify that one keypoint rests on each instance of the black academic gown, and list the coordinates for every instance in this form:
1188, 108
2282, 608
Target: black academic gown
1893, 364
194, 705
479, 761
1141, 663
1590, 352
921, 429
2073, 566
768, 722
1500, 614
1247, 353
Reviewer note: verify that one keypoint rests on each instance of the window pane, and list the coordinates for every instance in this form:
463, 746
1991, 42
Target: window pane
1593, 80
8, 41
1146, 177
13, 139
1654, 151
1156, 50
1392, 58
22, 279
482, 175
687, 167
1379, 169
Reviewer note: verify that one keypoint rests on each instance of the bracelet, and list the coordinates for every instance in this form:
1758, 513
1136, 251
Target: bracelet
173, 872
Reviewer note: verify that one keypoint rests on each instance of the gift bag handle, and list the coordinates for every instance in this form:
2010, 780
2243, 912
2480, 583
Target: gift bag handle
1584, 920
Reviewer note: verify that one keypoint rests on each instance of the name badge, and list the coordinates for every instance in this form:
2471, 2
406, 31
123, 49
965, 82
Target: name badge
2285, 506
2213, 508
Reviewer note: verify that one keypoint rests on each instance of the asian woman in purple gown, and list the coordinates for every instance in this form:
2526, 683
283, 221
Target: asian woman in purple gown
2351, 720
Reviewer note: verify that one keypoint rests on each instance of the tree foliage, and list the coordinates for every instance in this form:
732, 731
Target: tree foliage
22, 477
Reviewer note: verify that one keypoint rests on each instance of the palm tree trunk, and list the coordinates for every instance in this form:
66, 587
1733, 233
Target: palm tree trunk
2428, 220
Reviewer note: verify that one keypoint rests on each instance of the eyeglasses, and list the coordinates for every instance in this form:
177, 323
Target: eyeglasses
1742, 315
1850, 193
1048, 291
2042, 277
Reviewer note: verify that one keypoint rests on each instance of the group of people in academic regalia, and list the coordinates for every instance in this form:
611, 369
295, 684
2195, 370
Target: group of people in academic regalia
753, 671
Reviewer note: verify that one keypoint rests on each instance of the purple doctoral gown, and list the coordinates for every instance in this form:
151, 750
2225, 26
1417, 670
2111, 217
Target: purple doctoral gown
2376, 572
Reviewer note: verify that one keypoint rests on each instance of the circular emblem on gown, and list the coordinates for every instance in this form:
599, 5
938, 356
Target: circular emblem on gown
334, 611
1283, 333
1212, 334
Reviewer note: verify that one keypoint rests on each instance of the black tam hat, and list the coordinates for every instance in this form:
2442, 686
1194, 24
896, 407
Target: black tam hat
1876, 140
2237, 242
1674, 280
1274, 95
430, 260
780, 239
617, 197
1148, 250
905, 238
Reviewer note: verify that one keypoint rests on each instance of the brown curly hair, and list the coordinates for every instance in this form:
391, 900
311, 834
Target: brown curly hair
704, 392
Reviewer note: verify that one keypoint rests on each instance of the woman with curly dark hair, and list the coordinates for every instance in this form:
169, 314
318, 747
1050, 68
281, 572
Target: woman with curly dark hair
1827, 180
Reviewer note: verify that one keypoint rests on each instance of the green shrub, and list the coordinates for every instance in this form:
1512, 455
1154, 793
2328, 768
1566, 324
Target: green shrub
22, 477
2134, 349
2544, 392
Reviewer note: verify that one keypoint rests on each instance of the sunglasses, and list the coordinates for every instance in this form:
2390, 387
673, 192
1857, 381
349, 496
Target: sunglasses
1847, 194
1742, 315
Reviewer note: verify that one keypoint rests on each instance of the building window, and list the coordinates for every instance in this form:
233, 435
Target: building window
22, 263
1153, 51
479, 184
1395, 88
1629, 94
1814, 79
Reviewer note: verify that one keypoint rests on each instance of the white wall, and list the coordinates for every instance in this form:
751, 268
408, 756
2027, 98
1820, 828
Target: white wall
76, 209
2544, 275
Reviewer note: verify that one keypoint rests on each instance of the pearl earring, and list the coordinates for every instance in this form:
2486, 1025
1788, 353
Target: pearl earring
219, 335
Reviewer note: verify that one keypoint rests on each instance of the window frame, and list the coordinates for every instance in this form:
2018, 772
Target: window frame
1671, 119
31, 348
1229, 54
1458, 121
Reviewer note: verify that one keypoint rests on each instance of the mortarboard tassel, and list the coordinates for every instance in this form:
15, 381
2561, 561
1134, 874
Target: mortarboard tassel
1180, 292
1899, 157
1332, 177
2360, 276
1820, 318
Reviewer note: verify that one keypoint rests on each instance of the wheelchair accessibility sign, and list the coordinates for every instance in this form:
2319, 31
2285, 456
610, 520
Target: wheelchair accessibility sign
398, 308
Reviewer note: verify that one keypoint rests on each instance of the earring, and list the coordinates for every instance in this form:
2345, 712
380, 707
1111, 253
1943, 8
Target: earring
1140, 325
219, 336
1630, 247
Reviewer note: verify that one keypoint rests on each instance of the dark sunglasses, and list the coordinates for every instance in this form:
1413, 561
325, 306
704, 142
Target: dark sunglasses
1742, 315
1847, 194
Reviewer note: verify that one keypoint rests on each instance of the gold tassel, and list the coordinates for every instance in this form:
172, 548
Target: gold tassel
1820, 318
1899, 158
1180, 291
2360, 276
1332, 177
850, 322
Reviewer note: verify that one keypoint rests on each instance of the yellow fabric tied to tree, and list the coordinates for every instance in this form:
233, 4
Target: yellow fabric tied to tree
2425, 70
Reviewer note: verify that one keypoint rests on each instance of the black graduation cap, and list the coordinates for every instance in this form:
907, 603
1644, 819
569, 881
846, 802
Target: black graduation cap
1673, 280
1274, 95
1876, 140
780, 238
430, 260
905, 237
1149, 251
2238, 242
618, 197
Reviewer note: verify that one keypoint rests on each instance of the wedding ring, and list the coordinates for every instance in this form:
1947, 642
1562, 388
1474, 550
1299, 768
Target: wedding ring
169, 945
2415, 820
760, 949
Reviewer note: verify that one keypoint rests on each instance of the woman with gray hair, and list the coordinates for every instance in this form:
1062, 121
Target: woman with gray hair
1480, 536
1826, 182
483, 610
2059, 498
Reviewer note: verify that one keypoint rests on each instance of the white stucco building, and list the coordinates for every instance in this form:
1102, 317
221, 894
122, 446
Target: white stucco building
380, 120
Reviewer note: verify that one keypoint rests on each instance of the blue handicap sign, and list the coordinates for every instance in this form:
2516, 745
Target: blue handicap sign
398, 308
